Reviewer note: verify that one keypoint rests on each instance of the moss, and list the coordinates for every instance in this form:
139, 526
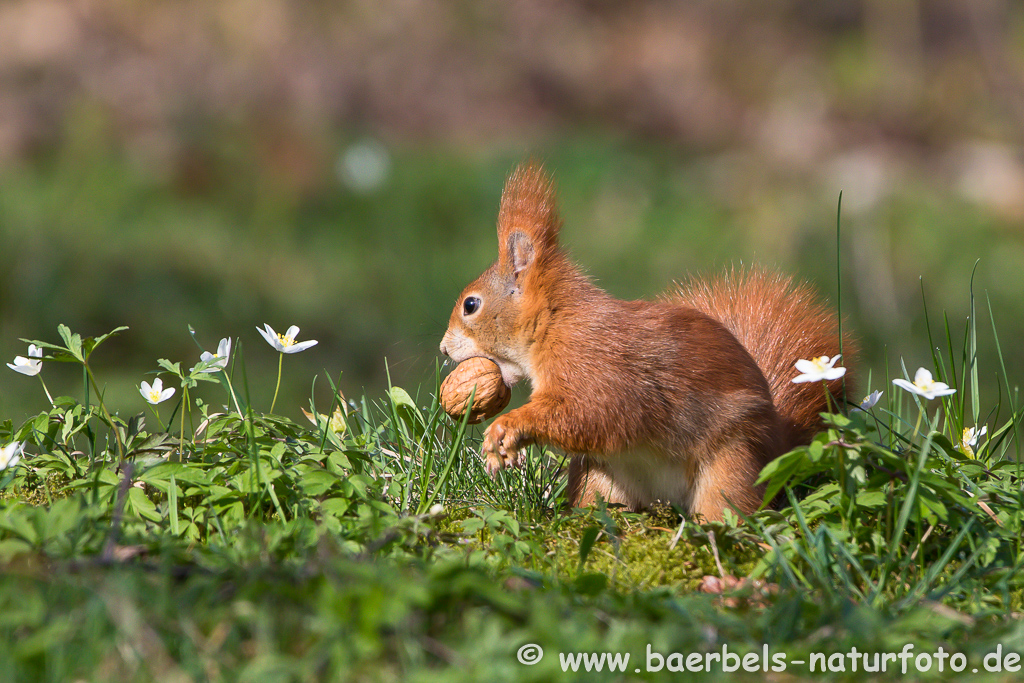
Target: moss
641, 551
32, 489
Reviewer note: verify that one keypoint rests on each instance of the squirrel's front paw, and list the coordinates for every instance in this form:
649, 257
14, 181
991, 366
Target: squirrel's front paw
504, 445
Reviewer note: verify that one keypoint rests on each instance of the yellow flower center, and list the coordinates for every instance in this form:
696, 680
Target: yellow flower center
965, 442
285, 341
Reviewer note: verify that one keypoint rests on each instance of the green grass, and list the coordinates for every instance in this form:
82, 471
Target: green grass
251, 547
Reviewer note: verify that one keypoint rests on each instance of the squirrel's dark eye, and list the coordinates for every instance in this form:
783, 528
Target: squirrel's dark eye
471, 305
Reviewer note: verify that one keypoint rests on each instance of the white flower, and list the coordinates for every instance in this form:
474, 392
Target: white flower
970, 437
11, 454
219, 360
156, 393
285, 343
869, 401
818, 369
924, 385
28, 366
972, 434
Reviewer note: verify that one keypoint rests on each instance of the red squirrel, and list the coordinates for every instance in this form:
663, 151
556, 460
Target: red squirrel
682, 400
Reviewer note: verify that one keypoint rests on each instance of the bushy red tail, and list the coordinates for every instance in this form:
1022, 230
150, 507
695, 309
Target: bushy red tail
779, 322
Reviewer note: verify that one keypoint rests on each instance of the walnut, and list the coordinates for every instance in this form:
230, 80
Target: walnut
492, 394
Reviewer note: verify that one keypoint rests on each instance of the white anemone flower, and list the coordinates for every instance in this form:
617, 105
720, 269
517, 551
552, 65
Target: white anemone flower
10, 454
972, 434
28, 366
818, 370
970, 437
285, 343
869, 401
924, 385
156, 393
219, 360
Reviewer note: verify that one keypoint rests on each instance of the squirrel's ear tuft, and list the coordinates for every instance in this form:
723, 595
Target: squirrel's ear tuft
520, 252
528, 209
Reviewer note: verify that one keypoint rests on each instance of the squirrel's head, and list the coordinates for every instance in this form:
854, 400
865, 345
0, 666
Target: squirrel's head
501, 314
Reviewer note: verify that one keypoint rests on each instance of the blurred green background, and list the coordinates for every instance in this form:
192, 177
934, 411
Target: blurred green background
337, 166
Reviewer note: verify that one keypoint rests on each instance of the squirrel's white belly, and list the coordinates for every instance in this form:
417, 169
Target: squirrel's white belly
642, 477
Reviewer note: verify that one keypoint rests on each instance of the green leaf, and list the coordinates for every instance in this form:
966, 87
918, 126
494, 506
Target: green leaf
406, 409
858, 474
73, 342
783, 463
836, 419
780, 472
339, 460
59, 353
160, 474
335, 507
472, 525
317, 482
816, 449
871, 499
277, 452
586, 544
16, 520
932, 503
401, 397
40, 423
91, 343
141, 505
170, 367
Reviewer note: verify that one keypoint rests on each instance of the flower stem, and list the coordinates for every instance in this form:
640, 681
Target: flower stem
280, 361
181, 437
842, 453
828, 397
156, 414
106, 414
47, 391
231, 390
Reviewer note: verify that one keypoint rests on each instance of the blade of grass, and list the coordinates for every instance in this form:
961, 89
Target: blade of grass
932, 348
939, 565
791, 572
909, 502
1006, 380
427, 497
839, 282
973, 351
820, 572
960, 396
263, 485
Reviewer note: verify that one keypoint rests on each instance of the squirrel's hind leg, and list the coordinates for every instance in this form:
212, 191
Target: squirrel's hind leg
588, 481
728, 482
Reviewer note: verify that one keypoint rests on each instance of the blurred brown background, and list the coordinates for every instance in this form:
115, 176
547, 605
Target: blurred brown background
338, 166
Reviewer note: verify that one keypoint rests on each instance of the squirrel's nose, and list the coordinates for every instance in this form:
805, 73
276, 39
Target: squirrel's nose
444, 349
